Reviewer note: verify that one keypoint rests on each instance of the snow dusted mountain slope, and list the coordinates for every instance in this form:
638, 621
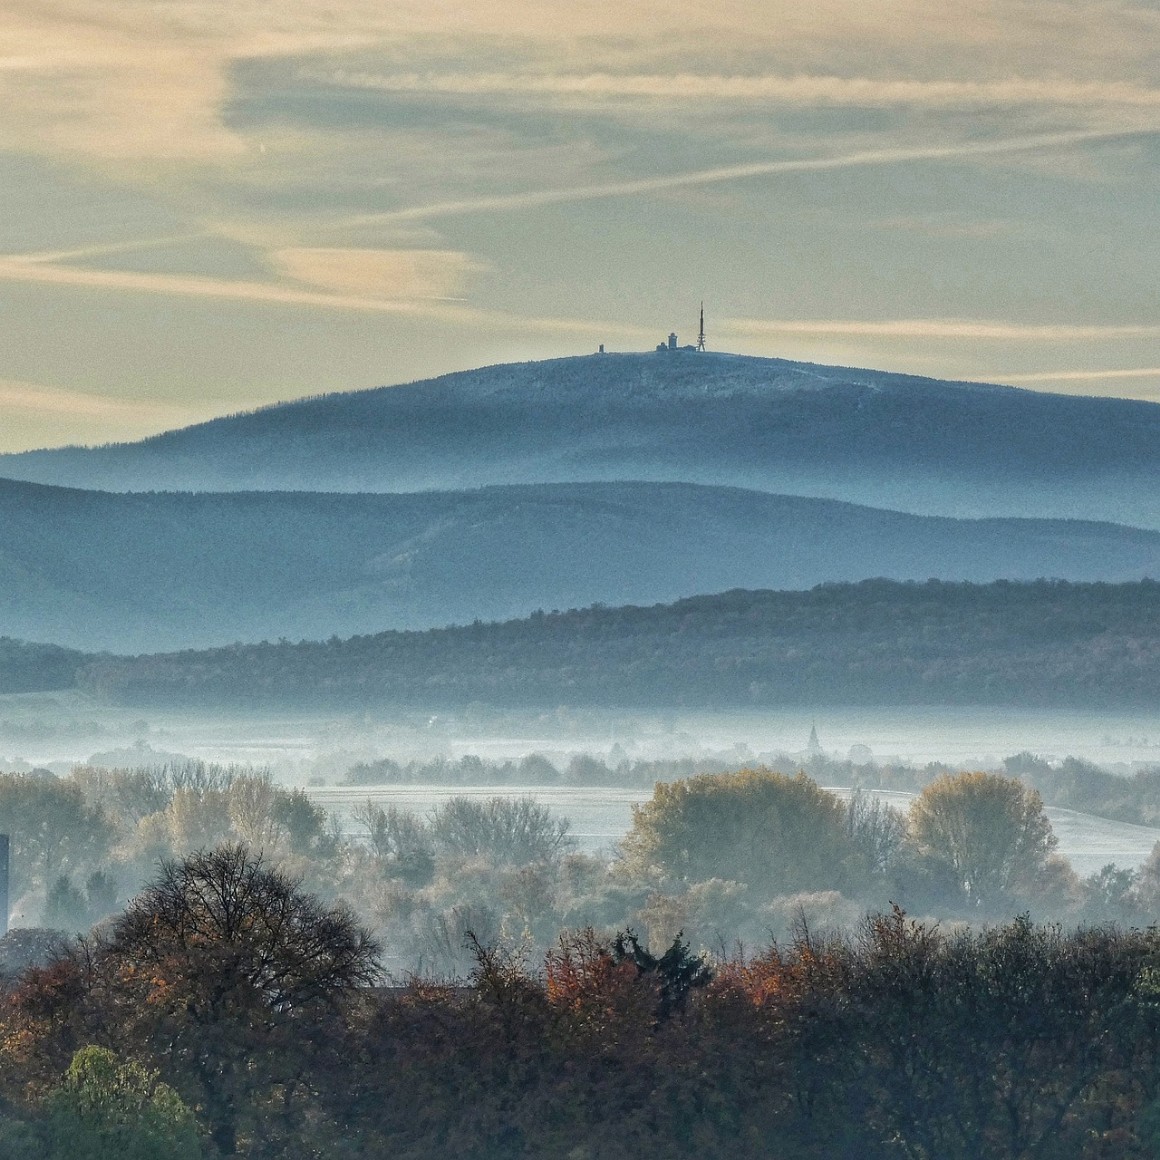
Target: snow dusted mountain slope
892, 441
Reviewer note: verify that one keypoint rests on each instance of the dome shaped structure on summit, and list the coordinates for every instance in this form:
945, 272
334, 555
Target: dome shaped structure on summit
670, 345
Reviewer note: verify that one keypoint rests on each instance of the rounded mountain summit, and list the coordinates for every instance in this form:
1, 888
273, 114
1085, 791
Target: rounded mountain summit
871, 437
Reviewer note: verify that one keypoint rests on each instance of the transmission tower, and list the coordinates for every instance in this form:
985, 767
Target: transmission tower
701, 334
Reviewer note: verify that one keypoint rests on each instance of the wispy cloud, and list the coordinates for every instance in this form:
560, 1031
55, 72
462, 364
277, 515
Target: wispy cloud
149, 80
795, 91
439, 274
36, 415
108, 249
1083, 376
105, 81
937, 328
196, 286
447, 310
35, 399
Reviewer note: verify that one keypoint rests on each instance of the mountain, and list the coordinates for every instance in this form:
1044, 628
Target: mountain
888, 440
878, 642
146, 571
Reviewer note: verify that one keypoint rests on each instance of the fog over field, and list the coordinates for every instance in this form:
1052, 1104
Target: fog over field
601, 816
63, 730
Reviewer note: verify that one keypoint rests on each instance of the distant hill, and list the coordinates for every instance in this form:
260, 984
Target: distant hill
141, 572
878, 642
892, 441
37, 668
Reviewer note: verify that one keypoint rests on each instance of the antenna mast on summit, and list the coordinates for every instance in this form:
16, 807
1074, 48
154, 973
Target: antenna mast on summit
701, 335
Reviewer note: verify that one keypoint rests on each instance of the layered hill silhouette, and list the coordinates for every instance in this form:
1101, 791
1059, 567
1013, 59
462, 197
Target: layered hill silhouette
888, 440
148, 571
877, 642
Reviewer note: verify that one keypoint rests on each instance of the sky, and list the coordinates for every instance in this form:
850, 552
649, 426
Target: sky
211, 205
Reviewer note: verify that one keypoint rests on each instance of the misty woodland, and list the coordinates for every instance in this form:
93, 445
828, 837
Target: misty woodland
754, 973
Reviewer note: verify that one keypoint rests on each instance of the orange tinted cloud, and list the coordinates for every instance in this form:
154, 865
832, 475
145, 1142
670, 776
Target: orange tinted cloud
149, 80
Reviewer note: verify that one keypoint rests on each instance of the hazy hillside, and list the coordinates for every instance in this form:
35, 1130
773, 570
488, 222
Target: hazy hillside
872, 643
149, 571
888, 440
36, 668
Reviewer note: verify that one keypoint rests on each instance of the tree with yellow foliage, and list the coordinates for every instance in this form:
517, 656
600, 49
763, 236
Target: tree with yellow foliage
989, 831
779, 834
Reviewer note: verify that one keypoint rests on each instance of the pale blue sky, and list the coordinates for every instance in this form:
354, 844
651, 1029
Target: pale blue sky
211, 205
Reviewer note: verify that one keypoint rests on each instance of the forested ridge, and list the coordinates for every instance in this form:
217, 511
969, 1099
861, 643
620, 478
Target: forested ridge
876, 642
33, 668
151, 572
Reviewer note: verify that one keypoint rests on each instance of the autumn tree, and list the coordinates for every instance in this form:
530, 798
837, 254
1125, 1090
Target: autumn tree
1015, 1041
990, 831
228, 968
779, 834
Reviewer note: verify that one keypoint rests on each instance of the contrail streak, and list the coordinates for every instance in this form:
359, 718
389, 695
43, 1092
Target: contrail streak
532, 199
798, 90
100, 251
445, 310
44, 272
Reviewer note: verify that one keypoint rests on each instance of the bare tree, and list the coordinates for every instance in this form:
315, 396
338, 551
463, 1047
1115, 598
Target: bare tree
875, 829
260, 933
505, 831
223, 965
398, 840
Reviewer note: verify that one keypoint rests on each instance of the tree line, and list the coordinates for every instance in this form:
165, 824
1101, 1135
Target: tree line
1071, 783
226, 1012
1047, 643
727, 858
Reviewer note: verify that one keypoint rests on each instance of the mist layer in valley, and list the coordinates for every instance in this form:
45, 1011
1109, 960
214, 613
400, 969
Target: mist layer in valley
438, 830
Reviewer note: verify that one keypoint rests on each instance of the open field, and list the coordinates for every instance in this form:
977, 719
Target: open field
601, 816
